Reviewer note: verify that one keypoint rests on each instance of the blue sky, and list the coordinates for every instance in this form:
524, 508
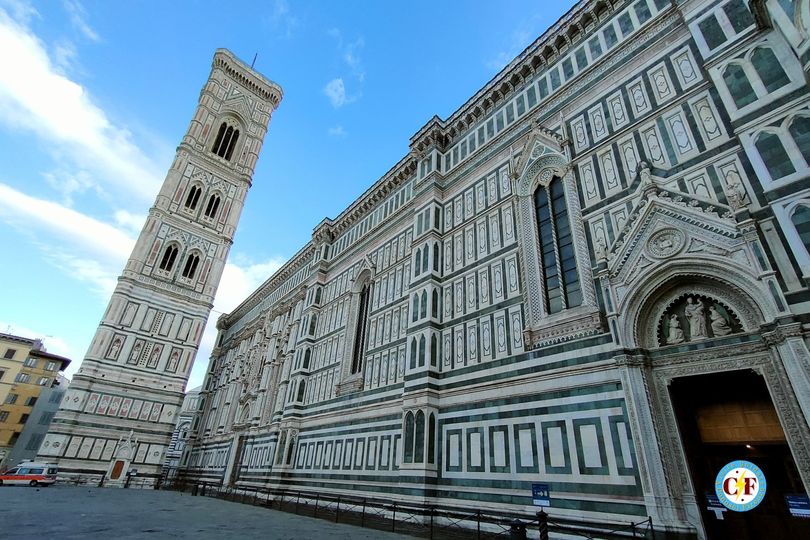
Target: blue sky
95, 96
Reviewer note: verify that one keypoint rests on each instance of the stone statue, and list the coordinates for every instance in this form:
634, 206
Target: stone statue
735, 192
136, 351
115, 349
600, 250
646, 176
719, 323
675, 332
695, 316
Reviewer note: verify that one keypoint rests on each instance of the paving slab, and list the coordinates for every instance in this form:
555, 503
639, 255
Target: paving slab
69, 512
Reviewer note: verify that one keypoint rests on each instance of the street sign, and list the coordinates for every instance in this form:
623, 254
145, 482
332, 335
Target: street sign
541, 495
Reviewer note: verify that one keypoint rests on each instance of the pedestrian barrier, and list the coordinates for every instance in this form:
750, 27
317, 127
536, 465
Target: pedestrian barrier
417, 520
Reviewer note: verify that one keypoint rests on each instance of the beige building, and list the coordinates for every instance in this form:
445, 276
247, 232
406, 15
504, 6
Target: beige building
25, 370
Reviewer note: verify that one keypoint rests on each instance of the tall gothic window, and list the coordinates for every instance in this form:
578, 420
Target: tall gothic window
225, 141
769, 69
409, 437
360, 331
739, 86
557, 256
774, 155
432, 439
191, 266
169, 256
800, 131
419, 438
212, 206
193, 197
801, 220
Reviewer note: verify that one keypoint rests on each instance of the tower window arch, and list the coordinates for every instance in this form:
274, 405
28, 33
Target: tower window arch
434, 307
169, 256
212, 206
301, 389
190, 269
419, 438
307, 356
425, 254
423, 305
422, 351
417, 263
432, 439
225, 141
436, 257
799, 130
557, 256
774, 155
434, 352
739, 86
193, 197
415, 308
769, 69
413, 353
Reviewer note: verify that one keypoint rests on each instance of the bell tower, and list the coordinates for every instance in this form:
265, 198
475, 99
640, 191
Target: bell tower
120, 410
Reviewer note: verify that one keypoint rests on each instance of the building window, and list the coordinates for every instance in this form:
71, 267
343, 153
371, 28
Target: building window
24, 418
3, 416
432, 439
712, 32
11, 399
193, 197
409, 429
169, 256
31, 401
30, 362
35, 441
800, 132
1, 374
301, 389
225, 141
212, 206
191, 266
419, 438
558, 261
22, 378
51, 366
769, 69
774, 156
801, 220
43, 381
422, 351
9, 354
45, 418
360, 329
738, 86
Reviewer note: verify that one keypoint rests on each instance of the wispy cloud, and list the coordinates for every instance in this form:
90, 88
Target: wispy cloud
282, 20
78, 18
335, 89
513, 44
36, 96
337, 131
53, 344
21, 10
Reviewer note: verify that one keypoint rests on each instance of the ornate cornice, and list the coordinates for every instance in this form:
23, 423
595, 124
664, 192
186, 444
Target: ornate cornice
247, 77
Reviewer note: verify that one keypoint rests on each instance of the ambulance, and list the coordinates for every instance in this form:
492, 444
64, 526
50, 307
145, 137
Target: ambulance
30, 473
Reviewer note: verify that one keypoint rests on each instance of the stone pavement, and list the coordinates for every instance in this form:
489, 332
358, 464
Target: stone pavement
68, 512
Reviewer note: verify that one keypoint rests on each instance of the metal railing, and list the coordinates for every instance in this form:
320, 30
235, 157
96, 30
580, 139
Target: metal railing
415, 519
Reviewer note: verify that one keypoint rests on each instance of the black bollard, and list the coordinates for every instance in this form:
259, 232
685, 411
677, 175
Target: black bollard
517, 530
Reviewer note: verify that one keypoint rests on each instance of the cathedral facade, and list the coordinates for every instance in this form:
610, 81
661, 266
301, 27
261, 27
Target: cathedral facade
594, 275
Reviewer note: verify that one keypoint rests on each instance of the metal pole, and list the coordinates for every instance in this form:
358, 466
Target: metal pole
393, 516
431, 523
337, 510
542, 519
317, 498
479, 524
297, 500
363, 515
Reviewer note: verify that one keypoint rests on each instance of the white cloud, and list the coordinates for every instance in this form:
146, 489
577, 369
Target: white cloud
77, 16
282, 20
337, 131
133, 223
336, 92
69, 183
520, 38
21, 10
35, 96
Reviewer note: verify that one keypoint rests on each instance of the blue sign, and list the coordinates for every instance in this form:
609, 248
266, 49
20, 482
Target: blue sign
541, 495
799, 505
740, 486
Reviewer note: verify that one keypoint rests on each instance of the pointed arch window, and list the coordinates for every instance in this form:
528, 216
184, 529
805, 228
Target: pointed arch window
307, 356
361, 328
409, 429
769, 69
423, 305
739, 86
212, 206
434, 304
425, 255
422, 351
413, 353
434, 346
190, 269
169, 256
558, 259
436, 257
301, 389
801, 220
432, 439
800, 132
225, 141
193, 197
419, 438
774, 155
415, 308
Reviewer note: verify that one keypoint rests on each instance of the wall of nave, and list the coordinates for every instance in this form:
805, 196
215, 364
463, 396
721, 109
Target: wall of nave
626, 205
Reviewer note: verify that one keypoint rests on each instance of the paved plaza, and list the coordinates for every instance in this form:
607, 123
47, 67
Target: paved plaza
67, 512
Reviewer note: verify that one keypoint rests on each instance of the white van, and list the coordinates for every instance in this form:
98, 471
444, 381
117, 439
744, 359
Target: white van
30, 473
